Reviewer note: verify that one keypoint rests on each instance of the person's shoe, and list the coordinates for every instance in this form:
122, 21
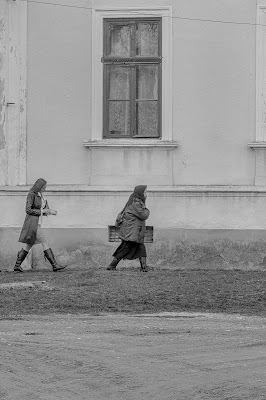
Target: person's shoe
50, 257
22, 254
143, 264
112, 266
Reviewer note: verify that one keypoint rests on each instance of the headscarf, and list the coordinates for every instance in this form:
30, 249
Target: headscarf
137, 194
38, 185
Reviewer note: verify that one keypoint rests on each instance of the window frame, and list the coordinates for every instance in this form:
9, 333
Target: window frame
132, 61
95, 139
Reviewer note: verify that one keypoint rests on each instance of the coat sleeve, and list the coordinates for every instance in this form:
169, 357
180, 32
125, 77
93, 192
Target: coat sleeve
29, 205
139, 210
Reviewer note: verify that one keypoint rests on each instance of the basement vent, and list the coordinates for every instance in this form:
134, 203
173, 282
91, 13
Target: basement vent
113, 234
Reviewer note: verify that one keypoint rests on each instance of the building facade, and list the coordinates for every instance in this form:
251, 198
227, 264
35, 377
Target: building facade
97, 96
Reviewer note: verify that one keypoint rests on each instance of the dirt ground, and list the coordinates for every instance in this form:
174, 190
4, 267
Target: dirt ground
167, 356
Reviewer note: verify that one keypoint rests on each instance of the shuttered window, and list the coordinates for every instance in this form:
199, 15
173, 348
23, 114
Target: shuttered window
132, 78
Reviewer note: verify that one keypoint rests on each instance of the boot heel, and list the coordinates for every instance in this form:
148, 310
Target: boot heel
22, 254
49, 255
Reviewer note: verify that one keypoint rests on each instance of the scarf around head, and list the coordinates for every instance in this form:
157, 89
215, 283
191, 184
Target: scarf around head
38, 185
137, 194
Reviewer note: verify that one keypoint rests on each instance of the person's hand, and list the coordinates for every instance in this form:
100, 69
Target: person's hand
46, 211
53, 212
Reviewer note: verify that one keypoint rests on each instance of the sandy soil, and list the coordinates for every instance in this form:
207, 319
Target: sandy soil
165, 356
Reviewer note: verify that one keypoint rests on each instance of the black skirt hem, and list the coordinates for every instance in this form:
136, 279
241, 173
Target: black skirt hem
130, 251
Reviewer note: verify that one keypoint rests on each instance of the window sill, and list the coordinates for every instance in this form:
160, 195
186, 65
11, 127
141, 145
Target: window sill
257, 145
132, 143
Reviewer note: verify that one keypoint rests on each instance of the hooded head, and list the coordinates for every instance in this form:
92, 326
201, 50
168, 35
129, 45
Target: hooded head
38, 185
137, 194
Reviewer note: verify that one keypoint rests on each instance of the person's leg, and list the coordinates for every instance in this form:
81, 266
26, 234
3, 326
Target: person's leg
118, 255
45, 246
143, 264
22, 254
48, 252
143, 258
27, 247
113, 264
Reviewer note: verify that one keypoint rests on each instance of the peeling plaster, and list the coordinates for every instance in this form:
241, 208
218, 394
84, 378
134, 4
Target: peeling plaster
2, 25
3, 147
22, 147
1, 61
2, 115
2, 36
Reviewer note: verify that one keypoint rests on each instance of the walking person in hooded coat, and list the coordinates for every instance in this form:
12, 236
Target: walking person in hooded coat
132, 230
32, 232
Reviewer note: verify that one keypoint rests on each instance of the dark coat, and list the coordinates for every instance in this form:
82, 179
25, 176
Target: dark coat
133, 225
30, 226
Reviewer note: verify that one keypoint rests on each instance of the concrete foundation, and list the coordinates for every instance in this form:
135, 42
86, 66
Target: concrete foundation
172, 248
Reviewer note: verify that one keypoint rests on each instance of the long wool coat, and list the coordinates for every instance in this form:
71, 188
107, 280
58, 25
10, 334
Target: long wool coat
133, 225
33, 212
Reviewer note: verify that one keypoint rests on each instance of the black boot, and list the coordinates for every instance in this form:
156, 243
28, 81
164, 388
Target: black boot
143, 264
113, 264
22, 254
50, 257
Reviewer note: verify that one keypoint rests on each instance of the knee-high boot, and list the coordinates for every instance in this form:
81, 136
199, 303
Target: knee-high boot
22, 254
113, 264
143, 264
50, 257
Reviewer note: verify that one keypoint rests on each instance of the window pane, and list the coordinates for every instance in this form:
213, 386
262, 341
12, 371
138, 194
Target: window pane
147, 39
119, 78
147, 118
119, 40
119, 117
147, 82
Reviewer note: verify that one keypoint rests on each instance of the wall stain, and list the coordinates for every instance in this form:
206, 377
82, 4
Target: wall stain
1, 61
2, 25
2, 115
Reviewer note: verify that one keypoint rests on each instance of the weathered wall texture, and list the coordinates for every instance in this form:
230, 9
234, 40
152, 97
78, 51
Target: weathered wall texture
3, 84
213, 97
172, 248
218, 228
59, 117
13, 92
214, 91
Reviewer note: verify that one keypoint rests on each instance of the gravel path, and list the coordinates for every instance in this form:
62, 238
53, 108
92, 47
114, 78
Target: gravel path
167, 356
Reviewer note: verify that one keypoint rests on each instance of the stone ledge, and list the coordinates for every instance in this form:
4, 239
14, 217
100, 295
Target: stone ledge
132, 143
189, 190
257, 145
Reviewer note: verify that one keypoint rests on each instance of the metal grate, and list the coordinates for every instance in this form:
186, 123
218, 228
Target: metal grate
113, 234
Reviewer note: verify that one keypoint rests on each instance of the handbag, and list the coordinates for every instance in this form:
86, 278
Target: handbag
119, 219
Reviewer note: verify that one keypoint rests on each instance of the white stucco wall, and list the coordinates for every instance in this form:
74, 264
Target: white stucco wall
58, 92
182, 208
3, 83
214, 91
213, 96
